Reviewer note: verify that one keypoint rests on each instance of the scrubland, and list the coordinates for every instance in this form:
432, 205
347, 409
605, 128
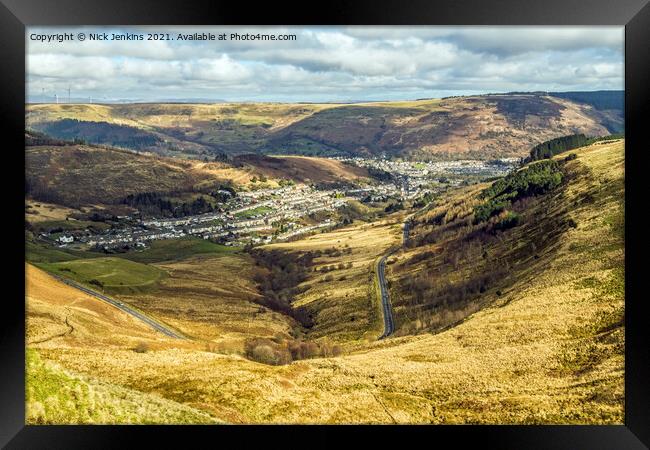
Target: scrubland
340, 291
67, 175
547, 348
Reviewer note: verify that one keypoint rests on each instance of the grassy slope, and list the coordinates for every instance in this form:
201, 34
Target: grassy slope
41, 253
549, 351
116, 274
72, 173
191, 128
57, 397
173, 249
45, 212
303, 169
59, 315
344, 307
435, 282
157, 251
212, 298
488, 125
77, 175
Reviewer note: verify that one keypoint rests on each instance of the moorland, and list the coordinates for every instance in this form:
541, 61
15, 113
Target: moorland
505, 278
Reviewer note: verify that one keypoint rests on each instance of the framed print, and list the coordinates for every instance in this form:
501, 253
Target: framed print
412, 215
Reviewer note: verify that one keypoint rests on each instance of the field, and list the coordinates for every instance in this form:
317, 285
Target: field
549, 349
253, 212
113, 275
171, 249
41, 253
45, 212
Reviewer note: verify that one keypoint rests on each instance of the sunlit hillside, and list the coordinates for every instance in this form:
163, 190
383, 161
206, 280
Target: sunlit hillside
482, 127
58, 315
68, 174
340, 291
544, 346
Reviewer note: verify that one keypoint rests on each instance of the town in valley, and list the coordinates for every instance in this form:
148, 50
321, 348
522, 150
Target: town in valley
265, 215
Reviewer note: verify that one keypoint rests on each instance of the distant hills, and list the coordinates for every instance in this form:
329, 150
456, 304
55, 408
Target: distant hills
485, 126
601, 100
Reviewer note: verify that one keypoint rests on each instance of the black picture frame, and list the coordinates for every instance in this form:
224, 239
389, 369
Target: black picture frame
15, 15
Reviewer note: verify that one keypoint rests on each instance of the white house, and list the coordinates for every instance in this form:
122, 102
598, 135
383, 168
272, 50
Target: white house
65, 239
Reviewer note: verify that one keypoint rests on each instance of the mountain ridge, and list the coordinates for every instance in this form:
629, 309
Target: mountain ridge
479, 127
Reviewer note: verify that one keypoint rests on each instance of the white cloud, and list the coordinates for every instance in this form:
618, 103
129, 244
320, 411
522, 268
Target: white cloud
330, 63
69, 66
220, 69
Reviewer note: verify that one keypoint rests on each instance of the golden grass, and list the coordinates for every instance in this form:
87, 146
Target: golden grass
58, 314
212, 299
346, 307
428, 104
44, 212
55, 396
93, 113
151, 116
548, 351
415, 126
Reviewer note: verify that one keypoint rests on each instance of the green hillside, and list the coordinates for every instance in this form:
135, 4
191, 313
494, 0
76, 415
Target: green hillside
112, 275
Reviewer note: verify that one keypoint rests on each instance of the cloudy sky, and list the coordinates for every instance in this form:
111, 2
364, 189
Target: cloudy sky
322, 63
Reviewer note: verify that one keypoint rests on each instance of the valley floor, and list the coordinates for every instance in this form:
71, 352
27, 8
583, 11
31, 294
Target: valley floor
550, 350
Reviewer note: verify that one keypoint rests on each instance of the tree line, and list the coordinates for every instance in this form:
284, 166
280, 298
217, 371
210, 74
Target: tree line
555, 146
159, 204
536, 179
101, 133
278, 283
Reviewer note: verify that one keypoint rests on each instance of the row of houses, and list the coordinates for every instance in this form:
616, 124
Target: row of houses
293, 203
302, 230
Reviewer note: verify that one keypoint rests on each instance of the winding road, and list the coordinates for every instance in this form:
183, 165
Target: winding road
127, 309
389, 325
386, 306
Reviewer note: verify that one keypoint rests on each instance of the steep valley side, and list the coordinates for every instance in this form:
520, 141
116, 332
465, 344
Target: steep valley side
542, 343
